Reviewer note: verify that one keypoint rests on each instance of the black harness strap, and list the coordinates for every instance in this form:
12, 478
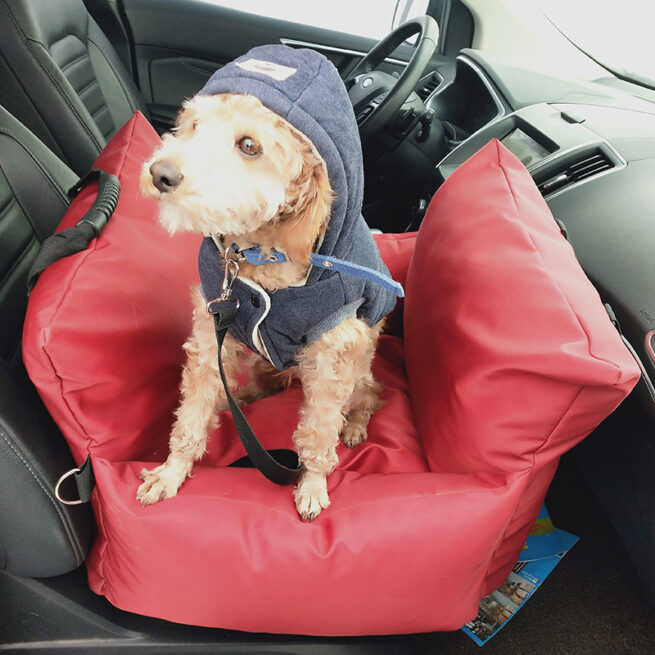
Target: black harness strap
279, 466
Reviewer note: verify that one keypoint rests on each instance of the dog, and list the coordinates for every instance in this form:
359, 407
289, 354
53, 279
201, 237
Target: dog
242, 175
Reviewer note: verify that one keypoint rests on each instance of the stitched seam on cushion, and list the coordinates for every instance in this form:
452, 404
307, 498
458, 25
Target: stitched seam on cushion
100, 520
85, 88
71, 538
46, 354
538, 252
564, 415
14, 346
10, 203
506, 534
44, 124
99, 111
18, 261
64, 96
89, 251
72, 62
128, 97
29, 45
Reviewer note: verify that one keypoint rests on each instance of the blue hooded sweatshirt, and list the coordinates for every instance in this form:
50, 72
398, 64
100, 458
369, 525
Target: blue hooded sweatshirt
305, 89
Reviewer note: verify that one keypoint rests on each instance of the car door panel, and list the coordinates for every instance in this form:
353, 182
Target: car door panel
179, 43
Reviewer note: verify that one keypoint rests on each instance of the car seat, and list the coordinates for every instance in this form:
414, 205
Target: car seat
38, 535
62, 78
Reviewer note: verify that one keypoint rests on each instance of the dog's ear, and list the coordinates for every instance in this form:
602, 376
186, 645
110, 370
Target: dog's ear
305, 213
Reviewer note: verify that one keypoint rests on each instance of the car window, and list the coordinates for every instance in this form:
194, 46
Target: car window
370, 18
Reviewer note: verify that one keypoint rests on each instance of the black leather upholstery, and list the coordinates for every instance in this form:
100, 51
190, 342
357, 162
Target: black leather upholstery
38, 535
62, 78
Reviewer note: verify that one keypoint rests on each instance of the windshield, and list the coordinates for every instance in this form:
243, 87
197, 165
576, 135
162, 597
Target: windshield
618, 35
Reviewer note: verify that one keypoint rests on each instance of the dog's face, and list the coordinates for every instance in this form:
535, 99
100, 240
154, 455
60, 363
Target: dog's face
230, 167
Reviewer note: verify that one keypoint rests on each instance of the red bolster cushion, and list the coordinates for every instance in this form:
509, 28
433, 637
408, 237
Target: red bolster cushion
511, 358
509, 349
103, 327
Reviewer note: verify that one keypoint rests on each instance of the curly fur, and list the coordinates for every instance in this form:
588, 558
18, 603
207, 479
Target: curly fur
280, 199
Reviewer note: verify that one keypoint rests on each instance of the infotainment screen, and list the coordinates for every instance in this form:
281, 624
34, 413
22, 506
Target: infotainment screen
524, 147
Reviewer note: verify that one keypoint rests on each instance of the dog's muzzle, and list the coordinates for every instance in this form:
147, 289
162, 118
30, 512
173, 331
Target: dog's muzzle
166, 176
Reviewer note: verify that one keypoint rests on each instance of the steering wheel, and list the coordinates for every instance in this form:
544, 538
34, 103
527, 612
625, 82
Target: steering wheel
376, 96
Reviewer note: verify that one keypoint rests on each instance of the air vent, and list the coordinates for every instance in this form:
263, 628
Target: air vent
428, 85
589, 165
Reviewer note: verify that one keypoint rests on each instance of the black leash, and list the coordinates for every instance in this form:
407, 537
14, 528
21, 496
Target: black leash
279, 466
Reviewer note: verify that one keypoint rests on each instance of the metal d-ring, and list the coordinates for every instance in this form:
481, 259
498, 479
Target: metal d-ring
59, 483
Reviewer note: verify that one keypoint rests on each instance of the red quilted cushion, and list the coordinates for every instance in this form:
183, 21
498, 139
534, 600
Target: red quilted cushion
402, 548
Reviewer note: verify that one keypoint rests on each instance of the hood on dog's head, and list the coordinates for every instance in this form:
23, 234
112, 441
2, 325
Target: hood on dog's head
305, 89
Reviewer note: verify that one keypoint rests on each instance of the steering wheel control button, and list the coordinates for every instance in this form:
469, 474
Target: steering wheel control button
367, 82
364, 113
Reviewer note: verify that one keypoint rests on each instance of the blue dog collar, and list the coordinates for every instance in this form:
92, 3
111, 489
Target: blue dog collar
256, 257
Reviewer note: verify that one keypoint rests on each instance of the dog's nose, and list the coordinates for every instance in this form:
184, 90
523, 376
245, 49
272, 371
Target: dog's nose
165, 175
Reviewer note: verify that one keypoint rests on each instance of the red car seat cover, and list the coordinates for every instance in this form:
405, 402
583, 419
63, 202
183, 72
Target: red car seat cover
507, 360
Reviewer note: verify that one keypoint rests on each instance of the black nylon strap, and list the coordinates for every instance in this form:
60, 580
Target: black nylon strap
279, 466
65, 243
75, 239
85, 480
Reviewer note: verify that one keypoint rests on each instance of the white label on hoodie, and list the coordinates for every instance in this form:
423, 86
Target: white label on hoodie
276, 71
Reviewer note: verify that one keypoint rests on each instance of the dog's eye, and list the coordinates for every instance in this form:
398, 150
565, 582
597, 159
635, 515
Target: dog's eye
249, 147
194, 125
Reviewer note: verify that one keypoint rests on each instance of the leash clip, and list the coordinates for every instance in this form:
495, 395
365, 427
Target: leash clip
229, 277
231, 270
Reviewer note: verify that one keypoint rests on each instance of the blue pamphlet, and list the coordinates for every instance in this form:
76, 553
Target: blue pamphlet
541, 553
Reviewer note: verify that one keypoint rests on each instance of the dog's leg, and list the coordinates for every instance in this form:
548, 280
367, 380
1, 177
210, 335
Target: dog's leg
202, 391
264, 380
365, 399
329, 370
364, 402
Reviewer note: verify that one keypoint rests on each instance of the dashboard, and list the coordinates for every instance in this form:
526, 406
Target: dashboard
590, 149
467, 100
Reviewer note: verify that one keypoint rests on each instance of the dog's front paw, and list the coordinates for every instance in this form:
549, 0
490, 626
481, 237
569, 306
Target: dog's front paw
160, 483
311, 495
